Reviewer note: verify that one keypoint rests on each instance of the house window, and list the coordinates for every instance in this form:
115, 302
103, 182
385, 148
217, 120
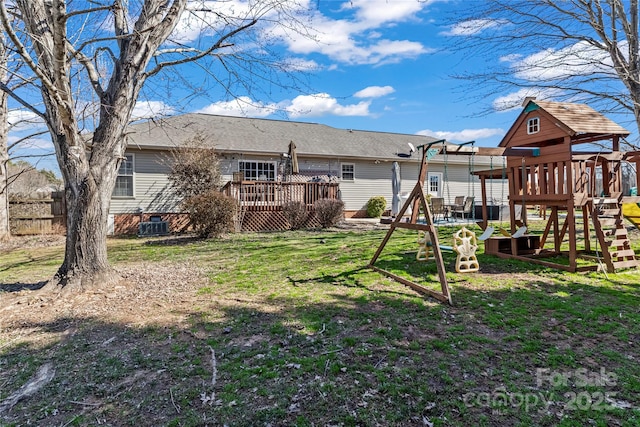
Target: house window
257, 171
533, 125
348, 172
124, 181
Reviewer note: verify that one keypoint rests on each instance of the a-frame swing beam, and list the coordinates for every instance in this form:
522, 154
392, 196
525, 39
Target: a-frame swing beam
417, 198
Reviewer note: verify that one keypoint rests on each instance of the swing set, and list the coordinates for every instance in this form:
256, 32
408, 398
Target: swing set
465, 241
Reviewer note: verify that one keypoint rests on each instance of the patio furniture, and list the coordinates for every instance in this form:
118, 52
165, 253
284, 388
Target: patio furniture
458, 203
466, 209
438, 208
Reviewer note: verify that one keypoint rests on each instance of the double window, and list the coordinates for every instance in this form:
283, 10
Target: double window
257, 171
124, 181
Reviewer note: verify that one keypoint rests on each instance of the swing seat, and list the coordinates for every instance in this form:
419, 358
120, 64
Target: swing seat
424, 247
520, 232
487, 233
425, 251
465, 245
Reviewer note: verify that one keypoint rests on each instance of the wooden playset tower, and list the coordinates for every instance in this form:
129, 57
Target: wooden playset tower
570, 181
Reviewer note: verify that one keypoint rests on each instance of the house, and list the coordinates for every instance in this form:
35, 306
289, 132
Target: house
256, 151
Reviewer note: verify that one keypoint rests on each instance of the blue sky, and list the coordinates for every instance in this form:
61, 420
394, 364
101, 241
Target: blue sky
378, 65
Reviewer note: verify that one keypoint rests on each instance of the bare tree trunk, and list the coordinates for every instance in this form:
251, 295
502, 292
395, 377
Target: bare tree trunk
85, 262
5, 231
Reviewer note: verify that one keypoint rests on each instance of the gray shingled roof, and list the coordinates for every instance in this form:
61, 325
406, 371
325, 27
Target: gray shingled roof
581, 118
262, 136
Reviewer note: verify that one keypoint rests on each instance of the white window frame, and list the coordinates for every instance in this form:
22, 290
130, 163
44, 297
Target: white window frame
438, 179
121, 174
271, 172
533, 125
352, 172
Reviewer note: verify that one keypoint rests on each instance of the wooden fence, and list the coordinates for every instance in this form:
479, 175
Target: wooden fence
29, 216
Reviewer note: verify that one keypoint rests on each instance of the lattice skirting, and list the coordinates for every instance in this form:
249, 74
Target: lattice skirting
272, 221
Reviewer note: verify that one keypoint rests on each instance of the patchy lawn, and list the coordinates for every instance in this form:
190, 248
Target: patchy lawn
292, 329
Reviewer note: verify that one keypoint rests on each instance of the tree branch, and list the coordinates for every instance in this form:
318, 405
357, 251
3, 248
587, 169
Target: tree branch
92, 72
23, 139
24, 103
24, 55
218, 45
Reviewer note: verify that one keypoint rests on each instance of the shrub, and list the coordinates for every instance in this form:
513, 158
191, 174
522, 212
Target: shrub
211, 213
376, 206
195, 168
329, 211
295, 213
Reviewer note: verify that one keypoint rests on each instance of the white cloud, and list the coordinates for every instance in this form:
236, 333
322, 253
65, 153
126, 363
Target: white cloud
35, 143
356, 40
377, 12
579, 59
514, 100
240, 107
203, 18
464, 135
24, 120
374, 92
512, 57
320, 104
472, 27
299, 64
150, 109
323, 104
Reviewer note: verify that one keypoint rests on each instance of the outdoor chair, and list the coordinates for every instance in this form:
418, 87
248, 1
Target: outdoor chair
438, 208
466, 209
458, 203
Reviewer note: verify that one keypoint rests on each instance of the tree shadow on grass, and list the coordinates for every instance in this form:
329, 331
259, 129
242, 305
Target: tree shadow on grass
363, 358
18, 287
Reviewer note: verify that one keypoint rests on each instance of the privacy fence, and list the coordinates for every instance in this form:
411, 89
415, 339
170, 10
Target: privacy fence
37, 215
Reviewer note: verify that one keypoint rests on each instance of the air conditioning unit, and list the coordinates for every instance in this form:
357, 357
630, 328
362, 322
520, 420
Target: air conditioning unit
153, 228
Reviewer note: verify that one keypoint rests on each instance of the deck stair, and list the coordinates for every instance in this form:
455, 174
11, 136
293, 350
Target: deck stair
612, 234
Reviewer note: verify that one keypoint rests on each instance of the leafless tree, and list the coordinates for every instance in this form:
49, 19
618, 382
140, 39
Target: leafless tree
576, 50
5, 231
111, 47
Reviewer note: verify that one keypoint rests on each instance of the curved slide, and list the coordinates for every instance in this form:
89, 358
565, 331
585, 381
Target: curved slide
631, 211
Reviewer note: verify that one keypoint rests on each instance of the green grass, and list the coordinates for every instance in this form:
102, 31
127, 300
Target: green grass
304, 334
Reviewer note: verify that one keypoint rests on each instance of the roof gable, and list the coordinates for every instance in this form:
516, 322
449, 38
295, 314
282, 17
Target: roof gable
557, 120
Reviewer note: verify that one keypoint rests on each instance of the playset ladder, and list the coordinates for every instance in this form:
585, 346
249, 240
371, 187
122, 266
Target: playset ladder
612, 235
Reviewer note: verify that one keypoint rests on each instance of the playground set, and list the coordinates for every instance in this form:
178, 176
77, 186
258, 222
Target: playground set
544, 168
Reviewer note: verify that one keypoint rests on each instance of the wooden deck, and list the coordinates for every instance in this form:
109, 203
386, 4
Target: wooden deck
261, 201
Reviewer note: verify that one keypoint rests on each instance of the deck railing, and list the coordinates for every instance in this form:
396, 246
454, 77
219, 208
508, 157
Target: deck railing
271, 195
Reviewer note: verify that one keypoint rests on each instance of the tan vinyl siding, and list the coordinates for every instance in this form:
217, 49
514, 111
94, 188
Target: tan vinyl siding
152, 192
374, 179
